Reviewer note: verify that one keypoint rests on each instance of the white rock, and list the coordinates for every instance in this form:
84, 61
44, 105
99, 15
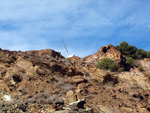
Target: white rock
7, 97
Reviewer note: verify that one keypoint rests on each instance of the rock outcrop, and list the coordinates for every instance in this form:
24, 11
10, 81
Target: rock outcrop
106, 51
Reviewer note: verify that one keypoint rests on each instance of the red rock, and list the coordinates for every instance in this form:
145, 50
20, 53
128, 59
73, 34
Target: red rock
75, 58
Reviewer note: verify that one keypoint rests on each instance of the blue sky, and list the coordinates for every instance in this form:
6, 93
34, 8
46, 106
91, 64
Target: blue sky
85, 25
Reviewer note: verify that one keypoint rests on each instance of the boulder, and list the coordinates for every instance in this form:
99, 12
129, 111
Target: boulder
78, 79
70, 97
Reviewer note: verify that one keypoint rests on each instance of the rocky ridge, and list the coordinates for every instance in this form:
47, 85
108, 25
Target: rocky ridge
47, 53
106, 51
44, 81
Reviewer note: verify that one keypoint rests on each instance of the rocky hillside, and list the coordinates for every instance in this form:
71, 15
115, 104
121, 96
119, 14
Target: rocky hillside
45, 82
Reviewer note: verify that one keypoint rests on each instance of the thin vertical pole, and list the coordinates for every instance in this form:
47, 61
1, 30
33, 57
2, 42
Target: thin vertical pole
65, 47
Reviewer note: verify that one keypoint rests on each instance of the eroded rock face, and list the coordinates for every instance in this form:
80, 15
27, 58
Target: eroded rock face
144, 63
47, 53
106, 51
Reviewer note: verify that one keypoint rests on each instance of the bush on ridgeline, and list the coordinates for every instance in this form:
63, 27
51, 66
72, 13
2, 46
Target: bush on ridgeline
126, 49
132, 51
140, 54
122, 47
107, 64
148, 54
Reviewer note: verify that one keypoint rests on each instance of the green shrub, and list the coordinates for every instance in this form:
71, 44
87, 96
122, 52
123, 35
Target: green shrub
130, 61
114, 67
140, 68
132, 51
107, 64
148, 54
140, 54
126, 49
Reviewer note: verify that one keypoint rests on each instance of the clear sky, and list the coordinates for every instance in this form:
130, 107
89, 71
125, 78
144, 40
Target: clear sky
85, 25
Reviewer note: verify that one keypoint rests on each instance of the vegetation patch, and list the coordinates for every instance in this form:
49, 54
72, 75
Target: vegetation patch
130, 61
140, 68
121, 69
107, 64
132, 51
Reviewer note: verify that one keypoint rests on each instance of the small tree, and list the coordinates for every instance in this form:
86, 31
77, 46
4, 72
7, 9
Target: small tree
126, 49
140, 54
107, 64
148, 54
122, 47
130, 61
131, 51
